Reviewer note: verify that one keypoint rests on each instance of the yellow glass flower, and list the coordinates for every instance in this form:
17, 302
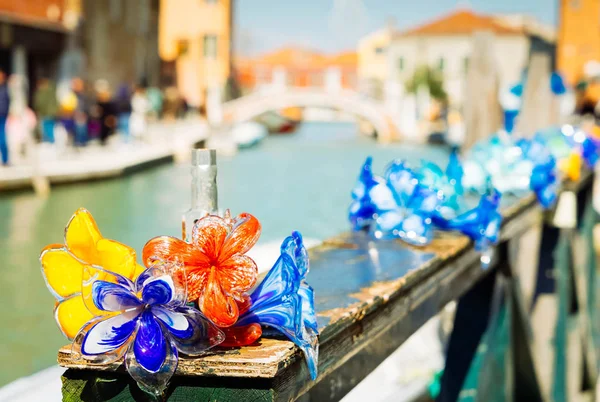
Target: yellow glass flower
571, 166
63, 269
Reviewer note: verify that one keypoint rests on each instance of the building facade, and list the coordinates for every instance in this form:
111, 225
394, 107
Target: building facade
33, 34
445, 46
114, 40
119, 40
373, 65
297, 67
195, 36
578, 37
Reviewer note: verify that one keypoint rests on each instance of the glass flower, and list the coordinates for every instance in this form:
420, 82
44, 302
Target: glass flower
543, 181
146, 322
571, 166
404, 206
284, 301
216, 268
482, 223
362, 209
589, 151
63, 265
449, 183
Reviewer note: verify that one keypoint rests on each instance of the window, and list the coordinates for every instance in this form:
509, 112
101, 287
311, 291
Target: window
441, 64
210, 46
379, 50
400, 64
183, 46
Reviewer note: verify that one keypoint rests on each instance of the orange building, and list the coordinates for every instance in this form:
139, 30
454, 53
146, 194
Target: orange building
301, 68
578, 37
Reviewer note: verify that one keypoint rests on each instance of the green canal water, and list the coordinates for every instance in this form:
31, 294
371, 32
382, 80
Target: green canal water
293, 182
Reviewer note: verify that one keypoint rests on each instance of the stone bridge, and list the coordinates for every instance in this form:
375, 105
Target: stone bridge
259, 102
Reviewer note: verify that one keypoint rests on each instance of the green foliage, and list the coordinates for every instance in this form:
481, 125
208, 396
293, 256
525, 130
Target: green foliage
426, 76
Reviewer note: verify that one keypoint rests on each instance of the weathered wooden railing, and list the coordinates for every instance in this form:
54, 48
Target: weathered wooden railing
372, 295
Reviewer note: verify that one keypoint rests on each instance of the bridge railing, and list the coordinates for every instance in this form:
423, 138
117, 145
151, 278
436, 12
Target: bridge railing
371, 296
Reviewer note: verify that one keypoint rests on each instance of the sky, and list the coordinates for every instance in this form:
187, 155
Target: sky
336, 25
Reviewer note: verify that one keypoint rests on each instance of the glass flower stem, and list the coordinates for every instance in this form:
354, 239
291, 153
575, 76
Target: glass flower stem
204, 189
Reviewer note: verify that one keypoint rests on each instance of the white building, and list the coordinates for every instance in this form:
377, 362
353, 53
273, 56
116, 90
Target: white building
445, 44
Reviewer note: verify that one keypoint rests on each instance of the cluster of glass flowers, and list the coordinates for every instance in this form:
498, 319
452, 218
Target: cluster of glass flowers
410, 203
188, 298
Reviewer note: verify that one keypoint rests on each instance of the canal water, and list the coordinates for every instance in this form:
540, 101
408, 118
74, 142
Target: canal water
291, 182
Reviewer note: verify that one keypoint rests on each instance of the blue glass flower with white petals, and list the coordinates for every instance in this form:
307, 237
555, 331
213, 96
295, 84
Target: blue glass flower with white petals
404, 206
590, 149
150, 324
543, 181
285, 301
449, 184
362, 209
482, 223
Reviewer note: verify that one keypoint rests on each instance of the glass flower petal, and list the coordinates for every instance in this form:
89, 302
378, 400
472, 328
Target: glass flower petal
150, 345
113, 297
216, 305
159, 290
242, 237
242, 335
237, 274
107, 336
209, 234
153, 382
71, 315
81, 236
166, 248
62, 271
191, 331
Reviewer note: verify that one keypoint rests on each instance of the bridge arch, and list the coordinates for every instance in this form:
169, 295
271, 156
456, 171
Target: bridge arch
257, 103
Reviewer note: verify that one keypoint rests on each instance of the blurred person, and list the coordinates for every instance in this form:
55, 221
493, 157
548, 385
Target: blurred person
21, 120
45, 105
80, 115
155, 99
4, 107
140, 107
172, 103
123, 106
107, 110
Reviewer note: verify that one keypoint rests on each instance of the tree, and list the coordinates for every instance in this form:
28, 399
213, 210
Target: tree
426, 76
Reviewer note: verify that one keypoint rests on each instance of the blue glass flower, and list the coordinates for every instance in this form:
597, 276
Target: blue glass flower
589, 151
404, 206
449, 184
543, 181
150, 324
482, 223
285, 301
361, 209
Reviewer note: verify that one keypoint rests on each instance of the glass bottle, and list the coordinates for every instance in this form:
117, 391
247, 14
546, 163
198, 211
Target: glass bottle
204, 189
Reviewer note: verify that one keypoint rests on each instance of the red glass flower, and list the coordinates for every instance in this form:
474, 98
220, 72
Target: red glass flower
217, 271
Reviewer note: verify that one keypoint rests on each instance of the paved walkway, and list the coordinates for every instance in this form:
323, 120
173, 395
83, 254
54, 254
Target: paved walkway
52, 164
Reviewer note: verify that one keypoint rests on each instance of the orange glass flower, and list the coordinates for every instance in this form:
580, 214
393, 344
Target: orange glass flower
217, 270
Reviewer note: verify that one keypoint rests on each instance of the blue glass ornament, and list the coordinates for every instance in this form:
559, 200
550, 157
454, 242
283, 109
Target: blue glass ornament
149, 323
448, 184
557, 84
589, 151
285, 301
404, 206
362, 210
482, 223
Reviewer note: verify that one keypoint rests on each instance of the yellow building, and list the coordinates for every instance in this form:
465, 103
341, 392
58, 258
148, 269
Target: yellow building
578, 37
373, 66
196, 35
